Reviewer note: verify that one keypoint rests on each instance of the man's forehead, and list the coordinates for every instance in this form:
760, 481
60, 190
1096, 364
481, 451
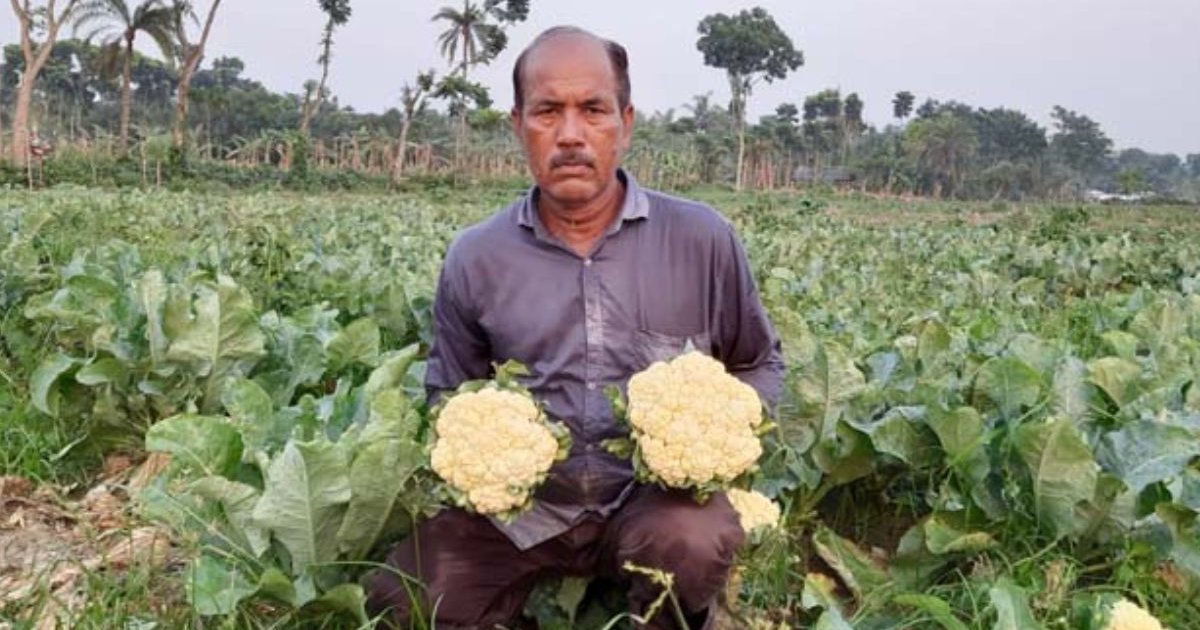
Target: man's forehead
568, 55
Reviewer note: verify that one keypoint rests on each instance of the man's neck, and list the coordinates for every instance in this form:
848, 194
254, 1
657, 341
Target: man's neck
580, 227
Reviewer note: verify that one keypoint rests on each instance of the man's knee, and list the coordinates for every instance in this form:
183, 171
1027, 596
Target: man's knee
696, 543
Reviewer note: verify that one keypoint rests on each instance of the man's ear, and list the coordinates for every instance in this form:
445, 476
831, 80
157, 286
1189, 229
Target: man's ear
627, 119
514, 117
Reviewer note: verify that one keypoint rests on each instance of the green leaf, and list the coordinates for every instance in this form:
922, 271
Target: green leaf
819, 592
261, 426
391, 371
307, 489
215, 333
853, 565
828, 385
1185, 536
1072, 398
942, 537
237, 501
902, 433
1160, 325
1061, 468
1009, 383
101, 371
1012, 607
343, 598
570, 595
214, 587
1145, 452
377, 476
932, 345
209, 444
274, 584
846, 457
934, 606
1120, 344
391, 417
358, 342
152, 296
1189, 495
44, 396
1034, 352
1118, 378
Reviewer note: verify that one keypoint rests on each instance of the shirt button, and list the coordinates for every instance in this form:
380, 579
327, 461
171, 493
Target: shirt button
591, 385
587, 262
591, 448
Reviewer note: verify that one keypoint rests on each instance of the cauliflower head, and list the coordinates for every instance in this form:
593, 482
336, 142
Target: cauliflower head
493, 447
1126, 615
754, 509
693, 423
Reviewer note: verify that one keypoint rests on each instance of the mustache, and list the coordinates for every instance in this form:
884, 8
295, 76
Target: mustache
572, 158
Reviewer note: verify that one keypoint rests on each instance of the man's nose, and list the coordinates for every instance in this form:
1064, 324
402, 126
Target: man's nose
570, 131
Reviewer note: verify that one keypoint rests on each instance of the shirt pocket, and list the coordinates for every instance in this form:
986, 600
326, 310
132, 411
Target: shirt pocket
650, 346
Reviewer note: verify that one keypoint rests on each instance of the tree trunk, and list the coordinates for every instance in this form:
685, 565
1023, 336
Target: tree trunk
311, 106
191, 63
126, 93
35, 59
401, 149
20, 126
741, 123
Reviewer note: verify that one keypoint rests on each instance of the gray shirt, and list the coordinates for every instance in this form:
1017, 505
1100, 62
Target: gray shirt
667, 272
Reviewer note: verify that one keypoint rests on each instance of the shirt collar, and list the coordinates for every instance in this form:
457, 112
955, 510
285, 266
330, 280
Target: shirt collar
635, 206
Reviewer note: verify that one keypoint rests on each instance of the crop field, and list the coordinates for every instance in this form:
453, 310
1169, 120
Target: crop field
211, 412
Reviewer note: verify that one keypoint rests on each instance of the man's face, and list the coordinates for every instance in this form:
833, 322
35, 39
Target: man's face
571, 124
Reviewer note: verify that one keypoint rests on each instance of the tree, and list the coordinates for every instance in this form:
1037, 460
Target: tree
189, 56
338, 13
481, 40
1079, 143
118, 26
412, 98
943, 147
902, 104
32, 20
750, 47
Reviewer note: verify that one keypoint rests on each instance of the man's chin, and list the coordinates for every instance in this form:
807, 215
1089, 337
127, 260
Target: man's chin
571, 191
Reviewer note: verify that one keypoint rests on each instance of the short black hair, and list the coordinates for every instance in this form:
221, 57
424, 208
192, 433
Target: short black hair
616, 56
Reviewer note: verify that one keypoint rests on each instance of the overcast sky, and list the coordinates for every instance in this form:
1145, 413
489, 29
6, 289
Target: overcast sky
1132, 65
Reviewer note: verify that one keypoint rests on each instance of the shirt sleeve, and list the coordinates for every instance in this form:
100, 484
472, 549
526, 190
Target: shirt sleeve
460, 350
746, 341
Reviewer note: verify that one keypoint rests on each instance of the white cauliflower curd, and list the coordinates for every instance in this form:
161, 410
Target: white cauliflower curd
754, 509
493, 448
692, 423
1126, 615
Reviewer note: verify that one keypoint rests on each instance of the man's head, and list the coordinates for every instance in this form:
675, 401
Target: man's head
572, 113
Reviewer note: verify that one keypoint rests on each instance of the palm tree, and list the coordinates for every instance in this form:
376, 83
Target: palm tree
339, 13
118, 26
471, 28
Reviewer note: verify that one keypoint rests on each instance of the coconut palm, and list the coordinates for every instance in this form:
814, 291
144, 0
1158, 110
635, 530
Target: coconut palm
117, 24
469, 27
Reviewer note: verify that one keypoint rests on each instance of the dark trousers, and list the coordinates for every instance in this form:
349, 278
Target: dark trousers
471, 576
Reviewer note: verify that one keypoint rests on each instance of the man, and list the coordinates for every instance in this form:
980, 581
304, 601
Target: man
586, 280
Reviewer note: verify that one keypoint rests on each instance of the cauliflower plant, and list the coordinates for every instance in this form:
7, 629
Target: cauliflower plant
754, 509
493, 447
692, 424
1126, 615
